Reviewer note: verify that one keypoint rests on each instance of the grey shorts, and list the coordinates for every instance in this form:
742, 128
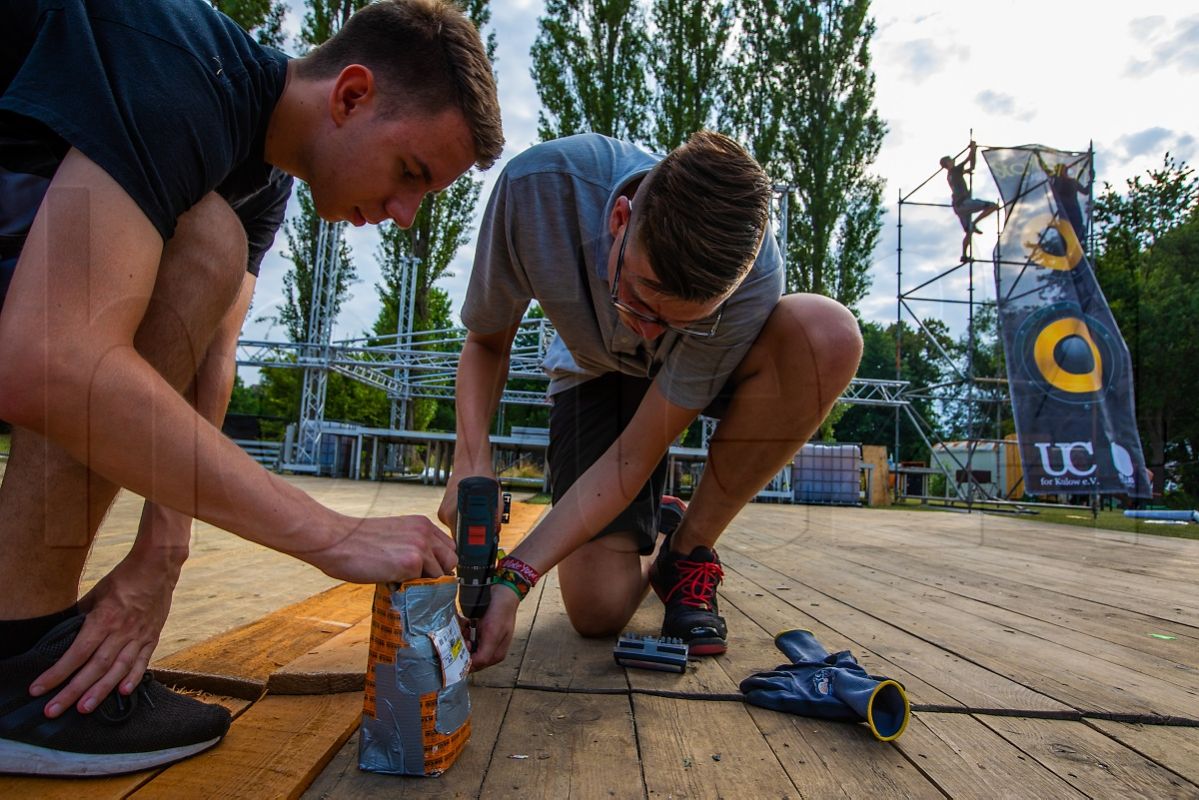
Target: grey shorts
584, 422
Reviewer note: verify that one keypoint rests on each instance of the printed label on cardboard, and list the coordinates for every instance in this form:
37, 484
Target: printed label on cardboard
451, 649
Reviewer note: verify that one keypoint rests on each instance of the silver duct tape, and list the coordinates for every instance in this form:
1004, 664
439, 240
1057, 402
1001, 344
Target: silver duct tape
391, 742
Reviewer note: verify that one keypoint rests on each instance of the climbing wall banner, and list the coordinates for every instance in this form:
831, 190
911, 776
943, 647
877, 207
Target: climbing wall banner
1068, 367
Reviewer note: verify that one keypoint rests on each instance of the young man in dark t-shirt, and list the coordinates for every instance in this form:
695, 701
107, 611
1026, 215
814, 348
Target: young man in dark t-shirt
145, 155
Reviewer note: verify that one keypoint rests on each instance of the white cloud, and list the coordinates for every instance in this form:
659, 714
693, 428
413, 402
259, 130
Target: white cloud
1065, 75
1165, 45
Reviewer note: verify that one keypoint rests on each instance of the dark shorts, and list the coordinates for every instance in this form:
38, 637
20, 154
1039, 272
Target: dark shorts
29, 157
584, 422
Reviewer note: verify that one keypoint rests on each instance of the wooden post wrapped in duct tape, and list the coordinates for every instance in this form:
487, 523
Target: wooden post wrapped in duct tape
416, 712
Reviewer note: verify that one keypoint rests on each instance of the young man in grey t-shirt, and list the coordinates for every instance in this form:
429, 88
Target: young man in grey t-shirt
664, 285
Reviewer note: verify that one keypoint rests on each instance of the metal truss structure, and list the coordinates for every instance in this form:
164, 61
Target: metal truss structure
979, 394
326, 267
423, 364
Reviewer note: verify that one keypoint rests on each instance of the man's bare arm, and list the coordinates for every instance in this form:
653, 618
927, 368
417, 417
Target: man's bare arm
609, 485
482, 373
69, 370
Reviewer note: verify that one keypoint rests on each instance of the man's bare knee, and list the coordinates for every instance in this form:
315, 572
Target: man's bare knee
595, 622
815, 336
602, 607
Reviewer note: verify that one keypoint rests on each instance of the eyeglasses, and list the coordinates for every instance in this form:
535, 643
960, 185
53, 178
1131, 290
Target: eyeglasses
699, 330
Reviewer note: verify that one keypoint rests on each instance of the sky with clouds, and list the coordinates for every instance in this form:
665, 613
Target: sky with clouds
1007, 72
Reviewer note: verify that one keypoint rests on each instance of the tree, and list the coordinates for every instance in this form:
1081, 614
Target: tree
1145, 238
979, 416
688, 64
281, 388
324, 18
441, 228
589, 66
263, 18
920, 364
803, 97
1169, 346
754, 107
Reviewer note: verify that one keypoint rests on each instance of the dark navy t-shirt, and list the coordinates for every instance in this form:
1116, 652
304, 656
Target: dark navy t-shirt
169, 97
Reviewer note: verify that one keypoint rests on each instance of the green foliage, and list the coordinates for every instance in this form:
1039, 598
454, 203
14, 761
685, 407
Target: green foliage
245, 399
441, 228
689, 67
920, 360
263, 18
984, 416
324, 18
1148, 264
589, 63
802, 96
301, 232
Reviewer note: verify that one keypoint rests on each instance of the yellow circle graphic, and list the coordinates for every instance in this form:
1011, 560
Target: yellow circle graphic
1043, 354
1035, 229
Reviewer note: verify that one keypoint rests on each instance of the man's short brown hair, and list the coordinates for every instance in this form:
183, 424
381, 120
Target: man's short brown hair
701, 217
427, 56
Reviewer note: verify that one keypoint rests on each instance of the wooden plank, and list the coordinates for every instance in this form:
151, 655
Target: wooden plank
1116, 573
1139, 555
337, 664
503, 675
1080, 671
1119, 589
556, 744
557, 657
838, 759
1096, 765
18, 787
522, 518
249, 654
1169, 660
705, 749
775, 611
274, 750
1045, 603
1175, 748
966, 682
1075, 677
964, 758
344, 781
704, 675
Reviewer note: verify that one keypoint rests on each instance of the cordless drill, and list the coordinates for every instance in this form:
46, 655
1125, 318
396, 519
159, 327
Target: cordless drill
478, 539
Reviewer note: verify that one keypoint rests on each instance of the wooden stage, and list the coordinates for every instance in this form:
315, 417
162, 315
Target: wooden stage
1042, 661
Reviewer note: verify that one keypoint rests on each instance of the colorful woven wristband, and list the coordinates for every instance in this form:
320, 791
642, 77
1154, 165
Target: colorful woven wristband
530, 575
521, 592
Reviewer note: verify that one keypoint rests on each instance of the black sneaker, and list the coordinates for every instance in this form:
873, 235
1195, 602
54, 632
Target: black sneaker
151, 727
687, 585
670, 514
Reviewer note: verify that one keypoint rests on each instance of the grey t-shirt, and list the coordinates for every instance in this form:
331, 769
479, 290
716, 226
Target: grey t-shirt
545, 237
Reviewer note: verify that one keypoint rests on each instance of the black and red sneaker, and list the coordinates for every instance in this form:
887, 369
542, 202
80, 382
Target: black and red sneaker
670, 514
687, 585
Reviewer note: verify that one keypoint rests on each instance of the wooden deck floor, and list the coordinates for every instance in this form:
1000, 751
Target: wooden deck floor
1042, 661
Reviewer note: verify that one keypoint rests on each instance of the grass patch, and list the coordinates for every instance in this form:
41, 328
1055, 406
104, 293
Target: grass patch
1080, 517
5, 443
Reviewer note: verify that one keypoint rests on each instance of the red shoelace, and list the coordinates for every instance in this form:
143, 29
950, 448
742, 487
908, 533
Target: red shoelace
697, 582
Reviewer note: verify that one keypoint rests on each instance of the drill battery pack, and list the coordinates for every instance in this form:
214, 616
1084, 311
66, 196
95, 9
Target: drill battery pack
651, 652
